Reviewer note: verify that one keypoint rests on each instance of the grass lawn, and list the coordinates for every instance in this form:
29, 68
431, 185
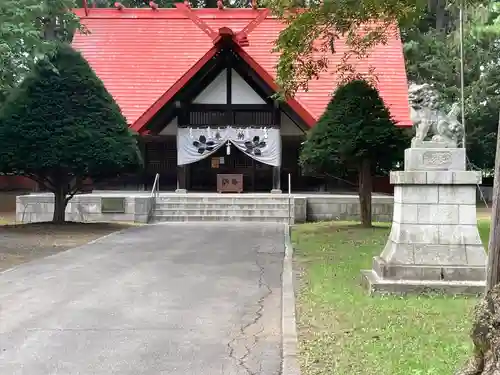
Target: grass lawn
342, 331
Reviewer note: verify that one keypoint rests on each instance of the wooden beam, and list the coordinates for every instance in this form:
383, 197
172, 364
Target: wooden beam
265, 92
185, 95
235, 107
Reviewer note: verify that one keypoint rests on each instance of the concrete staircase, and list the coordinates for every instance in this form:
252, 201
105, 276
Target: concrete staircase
218, 207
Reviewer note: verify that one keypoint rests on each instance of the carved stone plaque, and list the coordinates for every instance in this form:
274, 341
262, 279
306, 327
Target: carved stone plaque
437, 159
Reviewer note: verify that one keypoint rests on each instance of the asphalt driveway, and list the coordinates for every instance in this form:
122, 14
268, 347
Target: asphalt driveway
185, 298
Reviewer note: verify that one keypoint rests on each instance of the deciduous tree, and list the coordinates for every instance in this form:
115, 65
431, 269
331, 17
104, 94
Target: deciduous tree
433, 56
61, 126
311, 34
29, 30
356, 132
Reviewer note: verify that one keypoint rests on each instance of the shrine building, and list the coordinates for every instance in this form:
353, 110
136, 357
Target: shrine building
198, 85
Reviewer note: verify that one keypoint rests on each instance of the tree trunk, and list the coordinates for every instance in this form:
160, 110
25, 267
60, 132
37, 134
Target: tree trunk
59, 206
493, 270
485, 335
365, 193
49, 29
440, 15
486, 326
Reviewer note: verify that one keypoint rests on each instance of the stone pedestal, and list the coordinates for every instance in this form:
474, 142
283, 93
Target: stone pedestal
434, 244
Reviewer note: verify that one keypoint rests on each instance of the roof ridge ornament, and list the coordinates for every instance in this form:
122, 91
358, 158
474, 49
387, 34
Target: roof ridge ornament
86, 7
242, 35
197, 20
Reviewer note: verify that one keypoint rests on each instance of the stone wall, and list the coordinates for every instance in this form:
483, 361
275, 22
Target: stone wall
88, 207
84, 208
346, 208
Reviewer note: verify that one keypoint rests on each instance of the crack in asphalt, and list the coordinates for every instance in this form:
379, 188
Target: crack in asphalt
244, 334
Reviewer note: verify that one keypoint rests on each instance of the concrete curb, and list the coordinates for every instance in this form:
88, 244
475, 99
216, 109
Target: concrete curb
289, 364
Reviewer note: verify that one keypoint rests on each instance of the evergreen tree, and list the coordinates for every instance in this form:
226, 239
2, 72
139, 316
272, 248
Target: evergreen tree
61, 126
356, 132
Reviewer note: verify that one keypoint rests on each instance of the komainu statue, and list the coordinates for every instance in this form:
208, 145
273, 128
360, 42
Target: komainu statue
485, 336
427, 117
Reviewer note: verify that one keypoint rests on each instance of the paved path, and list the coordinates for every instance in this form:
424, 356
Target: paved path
163, 299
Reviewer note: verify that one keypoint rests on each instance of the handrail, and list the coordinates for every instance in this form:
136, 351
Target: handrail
156, 186
289, 198
155, 191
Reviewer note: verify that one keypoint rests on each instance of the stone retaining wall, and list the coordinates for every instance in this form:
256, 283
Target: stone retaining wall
346, 208
88, 208
84, 208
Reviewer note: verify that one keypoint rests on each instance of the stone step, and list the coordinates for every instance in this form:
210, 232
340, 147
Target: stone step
180, 218
221, 200
221, 211
231, 206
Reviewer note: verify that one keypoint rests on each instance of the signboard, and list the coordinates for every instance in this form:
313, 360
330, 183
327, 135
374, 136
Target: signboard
229, 183
215, 162
113, 205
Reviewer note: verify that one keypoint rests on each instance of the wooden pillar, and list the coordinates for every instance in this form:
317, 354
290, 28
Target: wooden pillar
181, 179
277, 172
276, 180
141, 144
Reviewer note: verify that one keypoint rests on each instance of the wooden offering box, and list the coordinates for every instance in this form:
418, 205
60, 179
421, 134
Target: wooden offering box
229, 183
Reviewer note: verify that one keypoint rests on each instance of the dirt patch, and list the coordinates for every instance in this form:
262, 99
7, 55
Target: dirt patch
7, 218
8, 201
8, 206
25, 242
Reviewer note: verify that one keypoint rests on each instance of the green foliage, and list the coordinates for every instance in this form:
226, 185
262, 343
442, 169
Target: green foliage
128, 3
61, 126
356, 125
311, 34
433, 57
28, 31
162, 3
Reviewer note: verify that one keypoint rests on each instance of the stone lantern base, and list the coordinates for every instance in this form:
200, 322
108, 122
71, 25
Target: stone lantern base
434, 244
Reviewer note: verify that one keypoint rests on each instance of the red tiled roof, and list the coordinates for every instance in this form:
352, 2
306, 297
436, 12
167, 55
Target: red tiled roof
140, 54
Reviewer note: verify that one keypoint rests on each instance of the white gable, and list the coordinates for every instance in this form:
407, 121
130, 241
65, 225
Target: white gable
215, 93
241, 92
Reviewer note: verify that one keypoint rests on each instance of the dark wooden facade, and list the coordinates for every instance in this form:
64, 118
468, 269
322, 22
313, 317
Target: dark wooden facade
160, 153
242, 115
161, 157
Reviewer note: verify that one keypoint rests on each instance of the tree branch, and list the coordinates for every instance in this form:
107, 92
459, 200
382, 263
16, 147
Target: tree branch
45, 182
77, 186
